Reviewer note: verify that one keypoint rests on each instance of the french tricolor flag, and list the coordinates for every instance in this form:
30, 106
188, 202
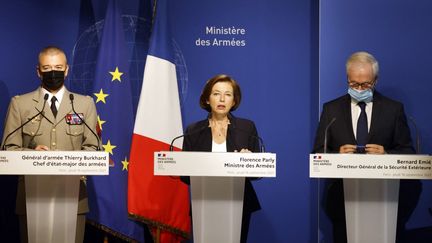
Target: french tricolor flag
160, 201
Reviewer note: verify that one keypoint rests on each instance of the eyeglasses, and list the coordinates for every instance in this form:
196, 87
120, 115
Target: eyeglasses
365, 85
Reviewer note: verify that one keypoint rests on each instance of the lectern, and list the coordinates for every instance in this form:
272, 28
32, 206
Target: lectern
217, 188
371, 189
52, 186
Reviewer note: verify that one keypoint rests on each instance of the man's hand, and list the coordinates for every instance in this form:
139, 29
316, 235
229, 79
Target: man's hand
369, 149
374, 149
42, 148
347, 149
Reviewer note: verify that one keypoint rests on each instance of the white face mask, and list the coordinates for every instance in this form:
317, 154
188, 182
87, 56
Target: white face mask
365, 95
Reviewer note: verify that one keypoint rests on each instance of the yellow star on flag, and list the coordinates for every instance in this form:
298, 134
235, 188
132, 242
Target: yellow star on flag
108, 147
116, 75
101, 96
100, 122
125, 164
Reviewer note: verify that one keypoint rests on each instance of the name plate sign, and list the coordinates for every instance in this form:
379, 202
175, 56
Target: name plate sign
388, 166
215, 164
54, 163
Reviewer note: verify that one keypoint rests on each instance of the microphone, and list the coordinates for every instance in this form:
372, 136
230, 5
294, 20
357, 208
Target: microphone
171, 147
71, 97
25, 123
260, 140
326, 133
417, 134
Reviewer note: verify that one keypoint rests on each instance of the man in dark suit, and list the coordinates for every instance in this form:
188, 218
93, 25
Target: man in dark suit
364, 122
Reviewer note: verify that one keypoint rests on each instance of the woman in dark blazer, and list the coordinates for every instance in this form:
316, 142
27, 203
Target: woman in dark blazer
222, 132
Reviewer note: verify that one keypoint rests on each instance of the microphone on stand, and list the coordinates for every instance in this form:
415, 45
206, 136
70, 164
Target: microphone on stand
326, 133
25, 123
171, 147
71, 97
260, 140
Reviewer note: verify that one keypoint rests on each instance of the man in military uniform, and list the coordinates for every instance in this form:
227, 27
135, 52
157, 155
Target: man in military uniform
56, 128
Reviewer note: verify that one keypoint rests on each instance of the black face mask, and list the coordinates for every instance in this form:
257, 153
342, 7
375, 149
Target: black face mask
53, 80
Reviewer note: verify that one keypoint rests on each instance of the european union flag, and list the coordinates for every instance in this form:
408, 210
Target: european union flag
112, 92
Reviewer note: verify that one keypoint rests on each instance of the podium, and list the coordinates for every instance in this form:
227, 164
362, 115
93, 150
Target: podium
371, 189
217, 188
52, 181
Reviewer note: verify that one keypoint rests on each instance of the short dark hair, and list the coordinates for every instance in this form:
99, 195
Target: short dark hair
205, 95
52, 50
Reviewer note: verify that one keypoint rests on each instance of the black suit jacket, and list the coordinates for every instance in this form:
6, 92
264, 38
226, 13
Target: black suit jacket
388, 126
241, 134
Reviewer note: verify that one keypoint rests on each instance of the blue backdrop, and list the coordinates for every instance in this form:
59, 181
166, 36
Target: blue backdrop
276, 71
289, 61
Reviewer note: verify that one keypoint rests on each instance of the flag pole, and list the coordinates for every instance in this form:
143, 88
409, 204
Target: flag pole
157, 235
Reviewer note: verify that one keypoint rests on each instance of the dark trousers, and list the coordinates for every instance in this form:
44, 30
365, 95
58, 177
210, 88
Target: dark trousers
245, 227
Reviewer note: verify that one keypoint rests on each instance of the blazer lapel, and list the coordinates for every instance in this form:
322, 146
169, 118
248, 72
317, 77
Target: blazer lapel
375, 116
38, 98
202, 140
231, 135
208, 140
64, 108
346, 112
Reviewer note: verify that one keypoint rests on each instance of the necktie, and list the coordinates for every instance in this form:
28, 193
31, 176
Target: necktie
362, 125
53, 106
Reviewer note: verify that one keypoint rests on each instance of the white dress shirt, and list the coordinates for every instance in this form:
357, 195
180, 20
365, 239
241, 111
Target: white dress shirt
58, 95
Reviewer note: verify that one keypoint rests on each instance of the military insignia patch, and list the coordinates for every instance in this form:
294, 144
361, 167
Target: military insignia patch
73, 119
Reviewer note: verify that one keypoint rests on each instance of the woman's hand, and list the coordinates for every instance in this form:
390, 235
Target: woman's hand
244, 151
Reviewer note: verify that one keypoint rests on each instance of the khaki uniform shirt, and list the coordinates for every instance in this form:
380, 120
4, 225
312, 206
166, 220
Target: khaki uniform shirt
45, 129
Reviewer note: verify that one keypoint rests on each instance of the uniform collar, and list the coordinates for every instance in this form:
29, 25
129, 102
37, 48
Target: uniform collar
59, 95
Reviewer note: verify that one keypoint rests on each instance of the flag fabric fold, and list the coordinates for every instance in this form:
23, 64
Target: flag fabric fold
112, 94
160, 201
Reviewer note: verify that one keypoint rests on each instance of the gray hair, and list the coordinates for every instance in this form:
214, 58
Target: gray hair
363, 58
